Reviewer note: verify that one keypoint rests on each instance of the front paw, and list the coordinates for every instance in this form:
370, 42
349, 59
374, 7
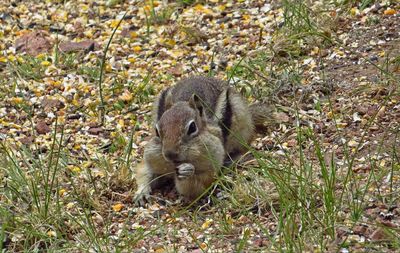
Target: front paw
142, 196
184, 170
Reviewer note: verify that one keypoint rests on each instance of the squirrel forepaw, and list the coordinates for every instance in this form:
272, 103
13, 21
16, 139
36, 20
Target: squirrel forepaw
184, 170
141, 197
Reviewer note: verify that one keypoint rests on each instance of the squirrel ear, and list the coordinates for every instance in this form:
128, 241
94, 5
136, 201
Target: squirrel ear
195, 103
164, 103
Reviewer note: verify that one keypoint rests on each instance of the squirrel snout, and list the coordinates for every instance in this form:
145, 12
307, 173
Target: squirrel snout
172, 155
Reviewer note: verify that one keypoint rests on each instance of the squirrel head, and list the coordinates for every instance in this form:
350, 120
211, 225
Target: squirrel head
179, 125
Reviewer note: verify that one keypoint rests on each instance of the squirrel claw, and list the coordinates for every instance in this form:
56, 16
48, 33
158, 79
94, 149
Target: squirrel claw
184, 170
141, 198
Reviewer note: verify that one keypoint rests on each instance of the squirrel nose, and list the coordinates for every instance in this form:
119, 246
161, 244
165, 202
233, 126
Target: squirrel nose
171, 155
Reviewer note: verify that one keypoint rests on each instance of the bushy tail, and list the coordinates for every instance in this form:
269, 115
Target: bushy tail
262, 115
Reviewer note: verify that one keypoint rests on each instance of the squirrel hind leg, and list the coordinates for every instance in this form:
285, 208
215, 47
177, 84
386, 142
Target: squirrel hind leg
242, 129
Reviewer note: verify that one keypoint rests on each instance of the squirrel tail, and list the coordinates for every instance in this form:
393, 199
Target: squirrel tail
262, 115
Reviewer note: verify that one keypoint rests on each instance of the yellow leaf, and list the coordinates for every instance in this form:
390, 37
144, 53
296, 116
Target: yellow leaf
121, 123
40, 56
99, 174
203, 245
45, 63
389, 12
221, 7
147, 8
226, 41
170, 42
75, 102
353, 143
171, 220
315, 51
131, 60
229, 219
133, 35
51, 233
126, 96
246, 17
17, 100
88, 33
114, 23
206, 224
160, 250
61, 192
137, 49
206, 67
354, 11
70, 205
12, 58
84, 7
87, 164
108, 68
74, 168
202, 9
117, 207
60, 15
3, 59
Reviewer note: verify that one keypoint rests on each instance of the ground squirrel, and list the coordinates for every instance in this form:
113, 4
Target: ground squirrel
199, 123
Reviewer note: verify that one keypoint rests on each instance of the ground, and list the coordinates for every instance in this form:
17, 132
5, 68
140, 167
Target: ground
78, 79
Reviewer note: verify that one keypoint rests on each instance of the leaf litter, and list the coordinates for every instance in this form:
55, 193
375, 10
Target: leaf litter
50, 60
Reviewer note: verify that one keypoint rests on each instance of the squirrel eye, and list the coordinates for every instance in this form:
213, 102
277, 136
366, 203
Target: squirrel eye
192, 128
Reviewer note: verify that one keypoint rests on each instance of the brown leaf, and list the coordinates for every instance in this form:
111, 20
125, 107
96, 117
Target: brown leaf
34, 43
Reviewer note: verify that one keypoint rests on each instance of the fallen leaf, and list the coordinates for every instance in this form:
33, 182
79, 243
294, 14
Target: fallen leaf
117, 207
389, 12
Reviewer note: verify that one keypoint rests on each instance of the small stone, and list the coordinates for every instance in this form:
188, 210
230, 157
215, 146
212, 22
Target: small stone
360, 229
73, 116
28, 140
42, 128
52, 103
87, 45
260, 242
362, 109
196, 251
95, 130
34, 43
379, 235
373, 58
176, 71
125, 32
